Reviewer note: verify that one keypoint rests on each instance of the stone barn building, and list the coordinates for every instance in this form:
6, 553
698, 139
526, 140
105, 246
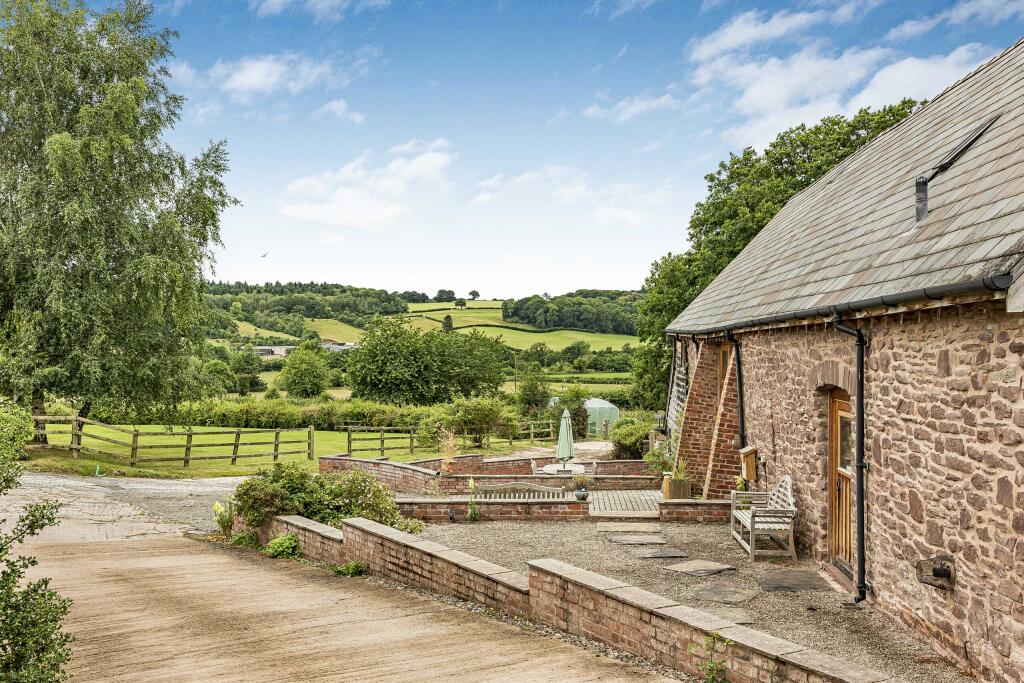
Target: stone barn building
870, 338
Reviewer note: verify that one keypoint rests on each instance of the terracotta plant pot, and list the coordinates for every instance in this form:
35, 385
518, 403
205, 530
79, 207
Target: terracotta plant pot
677, 489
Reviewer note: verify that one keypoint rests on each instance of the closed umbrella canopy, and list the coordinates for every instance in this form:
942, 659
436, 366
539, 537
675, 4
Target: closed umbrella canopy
566, 450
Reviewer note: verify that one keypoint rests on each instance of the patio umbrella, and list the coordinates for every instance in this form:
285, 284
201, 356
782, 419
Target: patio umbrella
566, 450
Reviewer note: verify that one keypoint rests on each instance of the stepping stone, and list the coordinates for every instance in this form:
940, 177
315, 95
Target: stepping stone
629, 527
646, 539
793, 581
665, 553
728, 596
699, 567
733, 614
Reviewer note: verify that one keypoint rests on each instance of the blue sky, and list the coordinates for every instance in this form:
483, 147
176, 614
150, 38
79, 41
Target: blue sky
518, 147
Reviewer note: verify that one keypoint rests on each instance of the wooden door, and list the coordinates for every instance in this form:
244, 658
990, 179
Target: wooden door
840, 471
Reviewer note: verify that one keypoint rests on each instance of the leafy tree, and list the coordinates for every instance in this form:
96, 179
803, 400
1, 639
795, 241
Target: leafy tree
105, 230
246, 366
474, 295
479, 417
446, 324
534, 392
444, 296
574, 399
744, 193
218, 376
32, 646
414, 297
305, 373
397, 364
460, 303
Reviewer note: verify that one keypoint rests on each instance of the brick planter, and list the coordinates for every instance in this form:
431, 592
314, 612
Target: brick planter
398, 476
694, 510
434, 510
458, 484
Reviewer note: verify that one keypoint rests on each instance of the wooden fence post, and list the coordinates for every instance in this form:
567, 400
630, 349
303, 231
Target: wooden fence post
652, 440
234, 450
412, 442
607, 423
531, 432
310, 456
135, 446
551, 429
349, 430
188, 447
76, 436
382, 442
277, 442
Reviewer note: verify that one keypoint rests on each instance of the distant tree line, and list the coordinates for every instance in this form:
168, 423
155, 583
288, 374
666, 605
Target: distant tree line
585, 309
282, 311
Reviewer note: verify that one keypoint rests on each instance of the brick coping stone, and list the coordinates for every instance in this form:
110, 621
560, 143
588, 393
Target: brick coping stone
403, 465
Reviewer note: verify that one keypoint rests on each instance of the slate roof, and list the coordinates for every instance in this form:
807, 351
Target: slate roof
852, 236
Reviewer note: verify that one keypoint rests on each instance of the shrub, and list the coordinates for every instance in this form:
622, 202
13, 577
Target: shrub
285, 546
628, 435
305, 373
581, 482
271, 394
350, 568
574, 399
32, 645
325, 498
659, 458
224, 515
534, 392
479, 417
246, 539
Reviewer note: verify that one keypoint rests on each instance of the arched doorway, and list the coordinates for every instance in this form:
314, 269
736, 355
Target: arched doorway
840, 481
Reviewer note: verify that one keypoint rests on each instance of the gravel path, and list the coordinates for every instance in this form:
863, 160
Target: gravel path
819, 619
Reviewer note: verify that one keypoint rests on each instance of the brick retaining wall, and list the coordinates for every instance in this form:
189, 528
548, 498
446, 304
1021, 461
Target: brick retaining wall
398, 476
424, 564
694, 510
459, 483
571, 599
435, 510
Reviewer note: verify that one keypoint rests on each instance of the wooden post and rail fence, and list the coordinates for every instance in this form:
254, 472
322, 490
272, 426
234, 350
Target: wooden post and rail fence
195, 445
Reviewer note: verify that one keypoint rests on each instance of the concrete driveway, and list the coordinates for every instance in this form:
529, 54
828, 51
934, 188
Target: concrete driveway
151, 605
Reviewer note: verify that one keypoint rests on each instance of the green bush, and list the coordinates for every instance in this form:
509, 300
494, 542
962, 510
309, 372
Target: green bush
350, 568
271, 394
574, 399
246, 539
628, 436
479, 417
285, 546
325, 498
659, 459
16, 429
305, 373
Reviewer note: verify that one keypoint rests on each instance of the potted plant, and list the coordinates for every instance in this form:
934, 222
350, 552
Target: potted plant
678, 481
580, 482
446, 444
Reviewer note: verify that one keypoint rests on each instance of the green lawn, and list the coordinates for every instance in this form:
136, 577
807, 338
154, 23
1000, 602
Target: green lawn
250, 330
114, 459
480, 303
328, 328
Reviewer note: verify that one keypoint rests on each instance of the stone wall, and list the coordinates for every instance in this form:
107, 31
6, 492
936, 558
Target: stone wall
398, 476
440, 510
944, 432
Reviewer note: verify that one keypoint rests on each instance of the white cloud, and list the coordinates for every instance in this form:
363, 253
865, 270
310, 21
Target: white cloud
989, 11
631, 107
182, 74
557, 117
620, 7
339, 109
322, 10
363, 196
919, 78
752, 27
249, 77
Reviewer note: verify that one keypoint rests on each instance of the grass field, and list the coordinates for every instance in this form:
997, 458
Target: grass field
329, 328
479, 303
115, 459
250, 330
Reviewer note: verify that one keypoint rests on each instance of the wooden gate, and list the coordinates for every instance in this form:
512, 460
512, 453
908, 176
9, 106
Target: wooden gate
840, 481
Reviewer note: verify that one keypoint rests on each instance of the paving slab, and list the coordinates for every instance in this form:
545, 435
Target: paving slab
629, 527
700, 567
726, 595
665, 553
793, 581
643, 539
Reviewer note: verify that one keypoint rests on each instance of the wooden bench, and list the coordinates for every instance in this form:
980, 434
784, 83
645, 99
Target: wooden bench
771, 513
518, 491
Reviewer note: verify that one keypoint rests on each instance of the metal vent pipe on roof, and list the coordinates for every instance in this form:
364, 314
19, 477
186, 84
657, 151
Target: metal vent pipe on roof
921, 195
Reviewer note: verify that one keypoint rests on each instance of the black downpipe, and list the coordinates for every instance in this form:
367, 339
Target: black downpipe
862, 584
737, 361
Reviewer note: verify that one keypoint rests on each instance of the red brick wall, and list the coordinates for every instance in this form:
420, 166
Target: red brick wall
398, 476
724, 461
424, 564
629, 467
660, 629
434, 510
459, 483
694, 510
